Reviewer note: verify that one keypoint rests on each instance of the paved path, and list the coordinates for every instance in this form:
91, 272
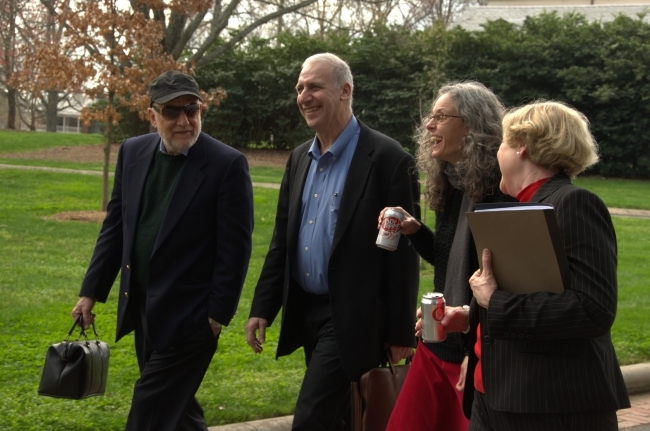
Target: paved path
91, 172
637, 418
621, 212
49, 169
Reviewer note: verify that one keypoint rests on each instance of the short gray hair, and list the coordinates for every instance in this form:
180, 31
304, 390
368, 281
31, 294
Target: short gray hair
340, 69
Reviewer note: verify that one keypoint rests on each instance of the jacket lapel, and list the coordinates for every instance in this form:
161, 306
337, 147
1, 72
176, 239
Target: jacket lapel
189, 181
133, 185
295, 204
355, 182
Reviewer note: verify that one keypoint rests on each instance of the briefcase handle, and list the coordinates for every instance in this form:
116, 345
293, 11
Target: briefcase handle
388, 358
79, 321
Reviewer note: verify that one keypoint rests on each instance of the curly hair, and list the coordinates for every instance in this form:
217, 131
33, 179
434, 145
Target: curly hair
556, 136
477, 168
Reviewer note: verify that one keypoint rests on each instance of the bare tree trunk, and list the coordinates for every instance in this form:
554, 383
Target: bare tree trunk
32, 116
280, 24
108, 140
9, 11
11, 112
52, 110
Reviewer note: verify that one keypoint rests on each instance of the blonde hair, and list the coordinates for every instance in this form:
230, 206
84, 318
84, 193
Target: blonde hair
555, 135
477, 169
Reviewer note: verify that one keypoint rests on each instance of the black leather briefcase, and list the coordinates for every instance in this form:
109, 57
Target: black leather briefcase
75, 369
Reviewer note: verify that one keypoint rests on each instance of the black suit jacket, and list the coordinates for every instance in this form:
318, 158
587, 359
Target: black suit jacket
201, 254
372, 291
548, 353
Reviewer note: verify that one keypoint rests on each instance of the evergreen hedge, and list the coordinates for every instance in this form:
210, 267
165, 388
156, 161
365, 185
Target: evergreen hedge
599, 68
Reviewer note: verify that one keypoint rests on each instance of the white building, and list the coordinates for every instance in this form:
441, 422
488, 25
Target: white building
516, 11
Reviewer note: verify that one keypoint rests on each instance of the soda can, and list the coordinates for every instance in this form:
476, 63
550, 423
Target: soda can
390, 230
433, 310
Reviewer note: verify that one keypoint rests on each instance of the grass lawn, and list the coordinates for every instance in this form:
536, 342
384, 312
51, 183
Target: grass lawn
259, 174
13, 141
618, 193
42, 263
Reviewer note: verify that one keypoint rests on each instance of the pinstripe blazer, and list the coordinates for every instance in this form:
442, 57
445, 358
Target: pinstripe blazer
550, 353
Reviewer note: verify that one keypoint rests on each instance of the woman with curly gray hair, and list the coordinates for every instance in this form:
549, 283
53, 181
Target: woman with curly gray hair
458, 143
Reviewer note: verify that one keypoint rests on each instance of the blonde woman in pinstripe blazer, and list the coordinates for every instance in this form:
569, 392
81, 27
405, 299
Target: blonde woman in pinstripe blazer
546, 361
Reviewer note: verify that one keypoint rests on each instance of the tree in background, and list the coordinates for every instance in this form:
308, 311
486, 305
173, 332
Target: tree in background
199, 31
11, 15
106, 54
260, 79
196, 32
596, 67
34, 24
599, 68
24, 24
618, 91
359, 16
396, 73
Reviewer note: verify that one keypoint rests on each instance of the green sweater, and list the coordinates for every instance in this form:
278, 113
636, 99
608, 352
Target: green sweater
161, 181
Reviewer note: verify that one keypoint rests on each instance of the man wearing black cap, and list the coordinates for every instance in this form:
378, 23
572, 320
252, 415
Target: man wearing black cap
179, 228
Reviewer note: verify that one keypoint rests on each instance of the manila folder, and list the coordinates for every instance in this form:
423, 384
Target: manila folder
527, 250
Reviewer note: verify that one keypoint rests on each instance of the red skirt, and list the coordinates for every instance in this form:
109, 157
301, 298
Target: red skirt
429, 400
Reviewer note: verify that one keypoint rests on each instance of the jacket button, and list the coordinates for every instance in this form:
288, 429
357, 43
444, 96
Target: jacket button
487, 339
126, 294
128, 266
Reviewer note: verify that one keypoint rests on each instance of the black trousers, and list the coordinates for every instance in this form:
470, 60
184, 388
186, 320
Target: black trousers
163, 396
486, 419
324, 399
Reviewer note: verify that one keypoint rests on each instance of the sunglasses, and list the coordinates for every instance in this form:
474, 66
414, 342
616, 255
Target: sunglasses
171, 113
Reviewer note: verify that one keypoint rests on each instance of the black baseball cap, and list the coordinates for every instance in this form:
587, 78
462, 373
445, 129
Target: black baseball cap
172, 84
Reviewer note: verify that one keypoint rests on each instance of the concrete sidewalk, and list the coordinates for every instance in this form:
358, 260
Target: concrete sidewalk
624, 212
620, 212
637, 418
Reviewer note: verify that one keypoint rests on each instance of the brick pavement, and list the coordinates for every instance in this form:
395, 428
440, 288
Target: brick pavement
633, 419
639, 414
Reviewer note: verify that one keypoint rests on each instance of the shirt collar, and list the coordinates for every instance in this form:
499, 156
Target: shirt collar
162, 149
527, 194
341, 142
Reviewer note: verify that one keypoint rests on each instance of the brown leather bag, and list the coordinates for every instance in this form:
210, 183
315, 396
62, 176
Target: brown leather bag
374, 395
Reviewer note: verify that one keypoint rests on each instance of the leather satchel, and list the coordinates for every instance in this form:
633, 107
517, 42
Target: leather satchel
75, 369
374, 395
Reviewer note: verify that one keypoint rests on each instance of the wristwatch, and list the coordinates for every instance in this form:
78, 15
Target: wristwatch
214, 324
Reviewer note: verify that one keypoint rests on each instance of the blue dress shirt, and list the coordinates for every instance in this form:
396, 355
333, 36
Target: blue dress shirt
163, 149
321, 198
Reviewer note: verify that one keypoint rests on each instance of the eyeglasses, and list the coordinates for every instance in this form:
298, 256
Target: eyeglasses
439, 118
171, 113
